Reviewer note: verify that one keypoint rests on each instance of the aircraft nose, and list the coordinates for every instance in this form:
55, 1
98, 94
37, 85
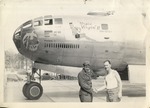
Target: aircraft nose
17, 37
20, 32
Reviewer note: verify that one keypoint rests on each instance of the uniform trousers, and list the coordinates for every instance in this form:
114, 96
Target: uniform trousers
85, 96
112, 95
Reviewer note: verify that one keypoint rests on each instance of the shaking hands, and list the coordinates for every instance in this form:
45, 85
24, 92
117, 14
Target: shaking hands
95, 90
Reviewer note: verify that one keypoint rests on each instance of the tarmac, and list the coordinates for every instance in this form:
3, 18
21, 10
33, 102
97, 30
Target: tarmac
68, 91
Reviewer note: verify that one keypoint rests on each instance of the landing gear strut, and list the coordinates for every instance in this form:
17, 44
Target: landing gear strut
33, 90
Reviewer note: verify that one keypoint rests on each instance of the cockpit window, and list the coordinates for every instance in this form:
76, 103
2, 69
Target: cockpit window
104, 26
48, 21
38, 21
27, 24
58, 20
18, 34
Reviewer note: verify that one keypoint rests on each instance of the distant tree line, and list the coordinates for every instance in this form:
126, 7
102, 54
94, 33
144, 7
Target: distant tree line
16, 61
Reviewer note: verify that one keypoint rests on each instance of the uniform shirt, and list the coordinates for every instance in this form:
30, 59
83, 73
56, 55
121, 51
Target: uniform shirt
110, 80
84, 81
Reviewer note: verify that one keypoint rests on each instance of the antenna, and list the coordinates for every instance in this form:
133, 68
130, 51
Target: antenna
107, 13
85, 1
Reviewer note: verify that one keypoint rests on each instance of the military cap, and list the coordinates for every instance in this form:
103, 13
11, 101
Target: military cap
86, 63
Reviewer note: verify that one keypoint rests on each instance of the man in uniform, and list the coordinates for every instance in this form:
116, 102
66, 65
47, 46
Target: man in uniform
85, 83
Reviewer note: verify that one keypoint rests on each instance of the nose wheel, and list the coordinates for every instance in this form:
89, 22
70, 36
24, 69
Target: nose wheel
24, 89
32, 90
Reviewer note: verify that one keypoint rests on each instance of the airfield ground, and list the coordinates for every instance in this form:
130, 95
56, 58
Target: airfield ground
67, 91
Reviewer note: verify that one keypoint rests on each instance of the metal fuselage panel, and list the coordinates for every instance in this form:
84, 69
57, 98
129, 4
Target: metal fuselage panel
75, 40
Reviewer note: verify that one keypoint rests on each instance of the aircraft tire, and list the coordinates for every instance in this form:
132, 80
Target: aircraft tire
24, 89
34, 91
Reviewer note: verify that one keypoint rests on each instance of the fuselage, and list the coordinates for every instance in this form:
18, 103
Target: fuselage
70, 40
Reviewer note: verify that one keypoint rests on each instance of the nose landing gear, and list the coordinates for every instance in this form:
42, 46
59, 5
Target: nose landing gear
33, 90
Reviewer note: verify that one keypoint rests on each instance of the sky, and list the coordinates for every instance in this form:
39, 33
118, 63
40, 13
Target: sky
15, 12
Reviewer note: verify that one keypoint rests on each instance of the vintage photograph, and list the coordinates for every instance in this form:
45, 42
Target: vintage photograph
75, 51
